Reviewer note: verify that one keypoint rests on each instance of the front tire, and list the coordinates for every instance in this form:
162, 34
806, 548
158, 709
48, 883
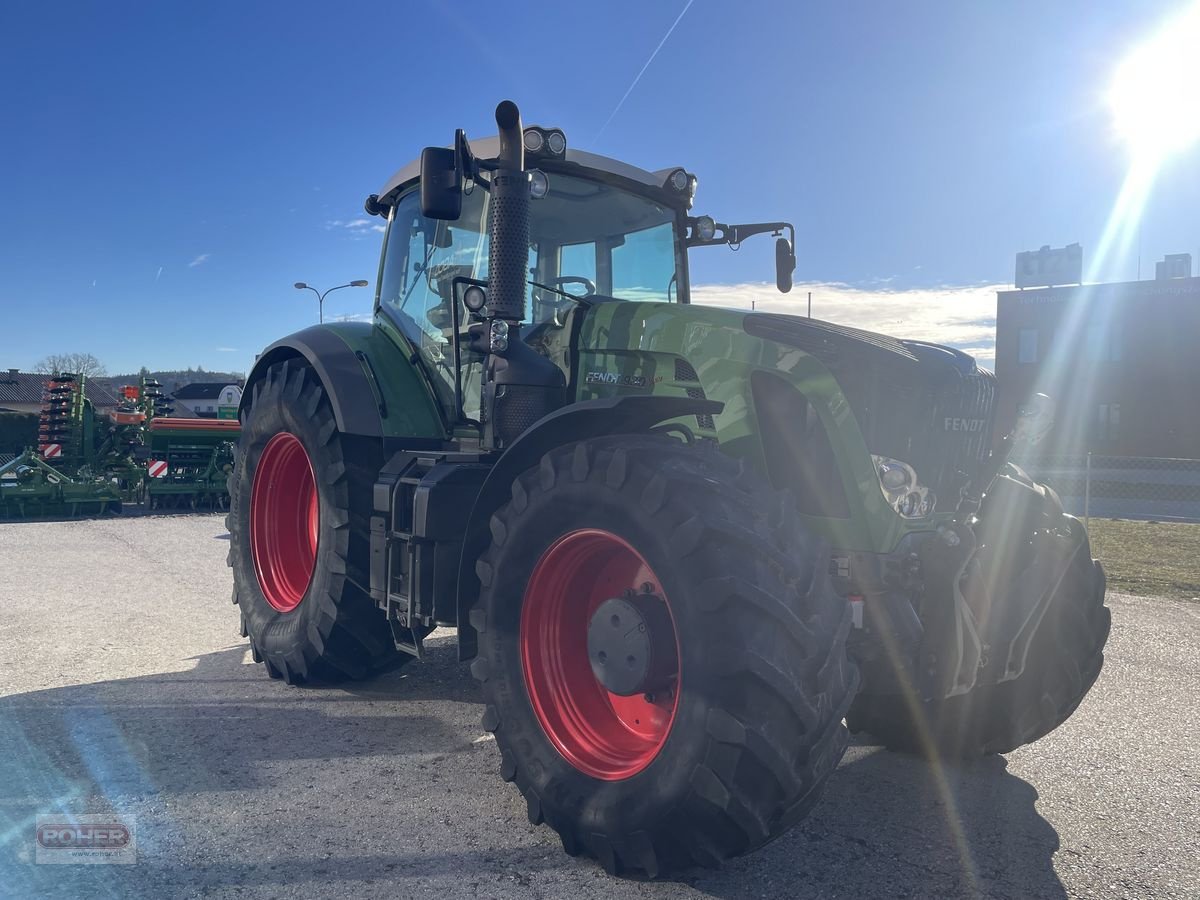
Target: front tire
1063, 662
732, 742
298, 531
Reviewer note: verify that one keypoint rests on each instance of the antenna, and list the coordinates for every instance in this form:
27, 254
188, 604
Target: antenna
1139, 266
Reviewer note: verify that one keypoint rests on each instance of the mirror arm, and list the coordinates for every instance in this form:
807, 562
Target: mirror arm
738, 233
469, 165
735, 234
463, 155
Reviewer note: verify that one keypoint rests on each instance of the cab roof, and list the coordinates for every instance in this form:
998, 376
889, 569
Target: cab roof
485, 148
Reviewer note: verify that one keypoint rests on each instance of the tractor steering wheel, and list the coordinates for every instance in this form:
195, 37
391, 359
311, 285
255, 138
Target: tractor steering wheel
588, 284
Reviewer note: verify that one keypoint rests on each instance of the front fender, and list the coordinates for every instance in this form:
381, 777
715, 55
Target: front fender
579, 421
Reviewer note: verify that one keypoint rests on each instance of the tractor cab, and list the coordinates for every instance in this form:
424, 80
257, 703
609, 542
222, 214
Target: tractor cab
599, 231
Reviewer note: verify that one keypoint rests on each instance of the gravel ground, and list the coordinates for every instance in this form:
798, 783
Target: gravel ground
124, 687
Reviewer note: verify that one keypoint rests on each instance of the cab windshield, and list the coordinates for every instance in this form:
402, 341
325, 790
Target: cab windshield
587, 239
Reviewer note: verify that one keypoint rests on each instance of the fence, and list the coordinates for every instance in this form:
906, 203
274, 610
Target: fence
1118, 487
1143, 516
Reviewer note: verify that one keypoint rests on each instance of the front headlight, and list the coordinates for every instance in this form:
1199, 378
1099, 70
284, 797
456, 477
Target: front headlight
901, 490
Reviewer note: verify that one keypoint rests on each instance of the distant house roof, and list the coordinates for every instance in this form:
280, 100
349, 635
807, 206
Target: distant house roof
201, 390
27, 387
100, 396
179, 411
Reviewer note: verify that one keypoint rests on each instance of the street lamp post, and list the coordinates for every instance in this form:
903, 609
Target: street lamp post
301, 286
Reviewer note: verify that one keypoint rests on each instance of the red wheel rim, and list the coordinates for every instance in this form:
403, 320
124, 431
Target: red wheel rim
601, 734
283, 521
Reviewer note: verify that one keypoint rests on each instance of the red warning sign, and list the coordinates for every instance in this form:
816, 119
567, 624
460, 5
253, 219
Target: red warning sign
157, 468
52, 451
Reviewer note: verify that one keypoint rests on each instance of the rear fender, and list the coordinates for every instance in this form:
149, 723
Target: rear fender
374, 389
579, 421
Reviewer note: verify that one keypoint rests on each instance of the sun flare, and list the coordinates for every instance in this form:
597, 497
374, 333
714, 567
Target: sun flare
1155, 92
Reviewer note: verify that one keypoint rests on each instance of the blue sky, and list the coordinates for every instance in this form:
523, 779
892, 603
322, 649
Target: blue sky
171, 169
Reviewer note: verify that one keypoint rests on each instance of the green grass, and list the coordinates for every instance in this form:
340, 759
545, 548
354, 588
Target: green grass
1149, 558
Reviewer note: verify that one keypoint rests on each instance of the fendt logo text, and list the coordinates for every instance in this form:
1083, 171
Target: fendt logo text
952, 423
113, 836
613, 378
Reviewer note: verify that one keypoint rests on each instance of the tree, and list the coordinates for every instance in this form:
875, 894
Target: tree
74, 363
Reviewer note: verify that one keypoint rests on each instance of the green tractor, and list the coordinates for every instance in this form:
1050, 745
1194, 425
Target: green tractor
683, 547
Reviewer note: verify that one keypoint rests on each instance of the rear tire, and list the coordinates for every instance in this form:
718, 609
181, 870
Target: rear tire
299, 559
1063, 663
762, 680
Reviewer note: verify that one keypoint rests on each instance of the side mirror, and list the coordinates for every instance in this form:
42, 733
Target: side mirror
441, 184
785, 264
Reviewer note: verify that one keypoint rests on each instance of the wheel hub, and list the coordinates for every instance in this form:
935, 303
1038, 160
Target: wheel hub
631, 644
580, 583
284, 518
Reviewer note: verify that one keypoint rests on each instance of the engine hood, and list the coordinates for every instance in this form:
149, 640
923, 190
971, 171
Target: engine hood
836, 344
923, 403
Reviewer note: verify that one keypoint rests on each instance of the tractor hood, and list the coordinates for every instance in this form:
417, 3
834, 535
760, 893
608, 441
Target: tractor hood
836, 344
926, 405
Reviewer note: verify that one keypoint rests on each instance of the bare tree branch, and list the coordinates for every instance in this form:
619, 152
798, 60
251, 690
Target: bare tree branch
74, 363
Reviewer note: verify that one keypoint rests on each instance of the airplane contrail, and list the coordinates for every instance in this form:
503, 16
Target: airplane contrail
621, 102
158, 274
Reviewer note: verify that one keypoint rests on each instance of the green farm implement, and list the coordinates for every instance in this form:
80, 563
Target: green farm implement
31, 488
60, 477
189, 463
87, 463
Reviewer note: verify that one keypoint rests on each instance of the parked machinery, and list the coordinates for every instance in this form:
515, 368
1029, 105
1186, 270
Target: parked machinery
30, 487
61, 429
60, 478
119, 445
86, 463
188, 463
167, 462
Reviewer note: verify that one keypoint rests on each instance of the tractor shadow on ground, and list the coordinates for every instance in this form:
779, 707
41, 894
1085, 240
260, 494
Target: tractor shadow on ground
203, 730
888, 826
891, 825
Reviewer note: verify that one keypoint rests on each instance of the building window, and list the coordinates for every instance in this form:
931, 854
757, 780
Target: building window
1104, 342
1027, 345
1108, 422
